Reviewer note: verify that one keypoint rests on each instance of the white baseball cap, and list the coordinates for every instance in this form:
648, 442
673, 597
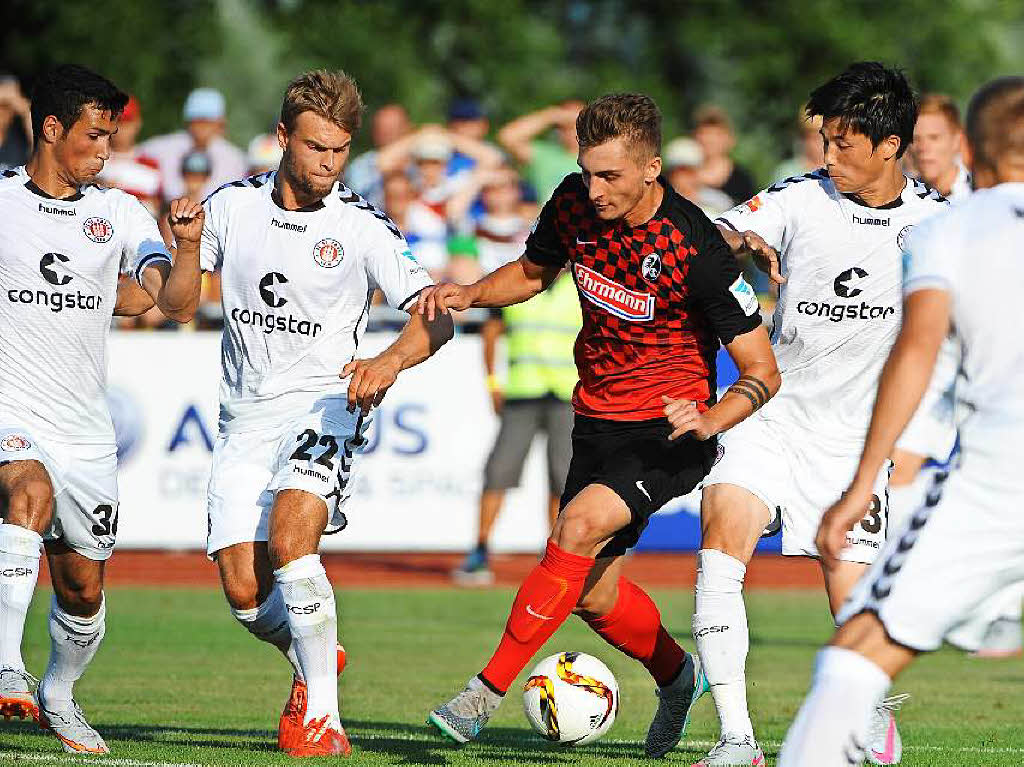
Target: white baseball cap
683, 152
205, 104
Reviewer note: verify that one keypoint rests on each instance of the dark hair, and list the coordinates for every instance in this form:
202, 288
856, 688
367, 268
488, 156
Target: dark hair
66, 90
995, 120
632, 115
870, 99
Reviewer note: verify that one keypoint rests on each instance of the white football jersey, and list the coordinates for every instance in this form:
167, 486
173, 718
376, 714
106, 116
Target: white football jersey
974, 253
840, 308
296, 289
59, 264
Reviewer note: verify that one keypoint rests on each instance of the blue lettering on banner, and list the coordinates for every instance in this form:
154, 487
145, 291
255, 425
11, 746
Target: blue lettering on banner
398, 422
189, 426
417, 432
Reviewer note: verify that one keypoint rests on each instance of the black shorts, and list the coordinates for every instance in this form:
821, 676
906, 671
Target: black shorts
635, 460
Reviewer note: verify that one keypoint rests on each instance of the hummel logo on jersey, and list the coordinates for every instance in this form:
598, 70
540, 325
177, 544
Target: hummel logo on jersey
612, 297
53, 210
51, 275
267, 292
288, 227
870, 221
843, 284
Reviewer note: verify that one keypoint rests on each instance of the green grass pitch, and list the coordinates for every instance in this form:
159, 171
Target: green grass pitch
177, 681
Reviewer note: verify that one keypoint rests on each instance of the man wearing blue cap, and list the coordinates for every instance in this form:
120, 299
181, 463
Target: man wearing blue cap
204, 115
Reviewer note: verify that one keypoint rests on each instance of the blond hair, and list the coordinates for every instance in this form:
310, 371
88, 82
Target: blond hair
332, 95
940, 104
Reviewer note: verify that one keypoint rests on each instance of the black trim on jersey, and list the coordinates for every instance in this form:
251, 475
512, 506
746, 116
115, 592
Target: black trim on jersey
350, 197
253, 181
146, 261
724, 222
925, 191
405, 303
31, 186
363, 313
10, 173
817, 175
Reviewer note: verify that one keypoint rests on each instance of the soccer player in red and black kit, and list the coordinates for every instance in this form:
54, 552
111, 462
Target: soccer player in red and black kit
659, 289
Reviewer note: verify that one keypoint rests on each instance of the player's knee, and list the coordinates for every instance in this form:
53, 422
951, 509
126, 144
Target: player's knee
242, 594
580, 530
83, 599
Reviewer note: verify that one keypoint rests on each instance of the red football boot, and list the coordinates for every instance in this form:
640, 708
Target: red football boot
290, 732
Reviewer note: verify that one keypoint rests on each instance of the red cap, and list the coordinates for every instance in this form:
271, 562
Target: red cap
132, 110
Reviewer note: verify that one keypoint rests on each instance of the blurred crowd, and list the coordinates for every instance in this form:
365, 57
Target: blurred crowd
465, 192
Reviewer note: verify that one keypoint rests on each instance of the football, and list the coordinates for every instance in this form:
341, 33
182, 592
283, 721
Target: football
571, 698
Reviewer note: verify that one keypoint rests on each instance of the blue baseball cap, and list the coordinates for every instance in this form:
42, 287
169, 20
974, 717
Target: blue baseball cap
205, 104
465, 109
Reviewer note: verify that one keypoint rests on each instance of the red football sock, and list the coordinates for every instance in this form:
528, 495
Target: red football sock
634, 626
544, 601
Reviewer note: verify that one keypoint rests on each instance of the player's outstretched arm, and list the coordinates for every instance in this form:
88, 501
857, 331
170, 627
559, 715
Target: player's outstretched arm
758, 382
132, 300
513, 283
175, 288
903, 383
752, 245
371, 378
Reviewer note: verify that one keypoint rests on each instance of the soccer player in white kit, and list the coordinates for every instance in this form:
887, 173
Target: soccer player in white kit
839, 231
917, 593
300, 257
63, 244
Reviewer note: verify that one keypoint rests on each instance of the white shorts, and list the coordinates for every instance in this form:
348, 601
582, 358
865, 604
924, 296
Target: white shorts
798, 475
938, 574
84, 479
313, 452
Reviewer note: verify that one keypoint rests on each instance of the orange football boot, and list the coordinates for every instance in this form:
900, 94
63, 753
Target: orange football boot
290, 732
320, 739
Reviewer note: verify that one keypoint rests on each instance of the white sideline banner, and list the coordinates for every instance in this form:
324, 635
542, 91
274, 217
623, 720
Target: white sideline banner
417, 485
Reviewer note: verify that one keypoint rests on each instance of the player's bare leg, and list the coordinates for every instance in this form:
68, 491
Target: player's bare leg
77, 625
884, 744
26, 500
851, 674
626, 617
297, 521
546, 598
732, 521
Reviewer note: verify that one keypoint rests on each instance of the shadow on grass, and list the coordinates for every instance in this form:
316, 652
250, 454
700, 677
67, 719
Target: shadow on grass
400, 742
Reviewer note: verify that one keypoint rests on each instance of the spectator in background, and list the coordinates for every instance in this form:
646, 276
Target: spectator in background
938, 140
425, 230
544, 162
713, 131
682, 159
501, 230
129, 170
263, 154
808, 149
15, 124
363, 175
196, 169
466, 118
205, 120
429, 150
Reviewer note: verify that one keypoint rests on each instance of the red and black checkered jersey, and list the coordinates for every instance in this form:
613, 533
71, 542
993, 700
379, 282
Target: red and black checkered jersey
657, 298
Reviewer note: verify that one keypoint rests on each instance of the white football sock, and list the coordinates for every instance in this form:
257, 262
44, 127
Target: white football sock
269, 623
720, 630
20, 550
73, 643
309, 600
831, 728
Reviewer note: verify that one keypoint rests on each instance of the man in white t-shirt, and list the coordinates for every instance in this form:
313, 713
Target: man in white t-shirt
63, 245
917, 594
300, 257
839, 231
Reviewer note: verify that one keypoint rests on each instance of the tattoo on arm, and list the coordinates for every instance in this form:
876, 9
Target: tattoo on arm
753, 389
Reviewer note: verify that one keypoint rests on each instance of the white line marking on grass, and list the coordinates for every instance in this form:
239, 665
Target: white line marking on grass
21, 756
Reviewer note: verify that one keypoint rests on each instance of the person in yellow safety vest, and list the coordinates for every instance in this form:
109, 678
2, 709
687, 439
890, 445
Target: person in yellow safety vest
536, 398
